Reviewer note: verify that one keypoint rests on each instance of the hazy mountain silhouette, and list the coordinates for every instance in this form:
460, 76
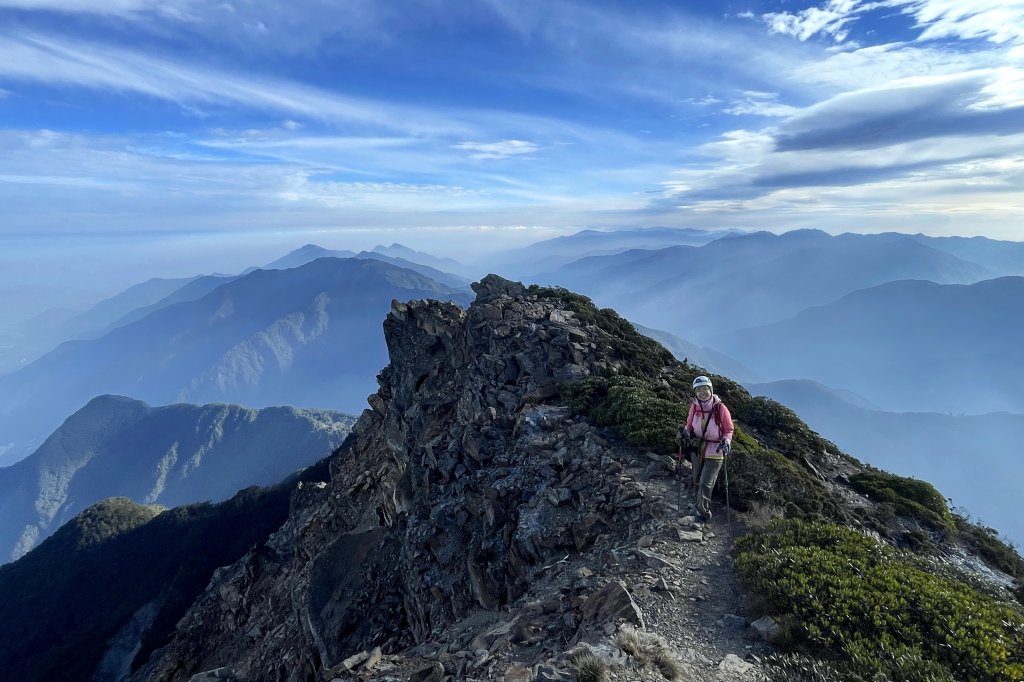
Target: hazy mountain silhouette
746, 280
189, 291
966, 457
40, 332
907, 345
307, 336
449, 265
702, 356
311, 252
304, 254
1003, 258
549, 254
803, 391
116, 446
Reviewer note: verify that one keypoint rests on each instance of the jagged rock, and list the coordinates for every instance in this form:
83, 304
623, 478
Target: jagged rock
612, 602
656, 561
456, 495
734, 664
766, 628
492, 287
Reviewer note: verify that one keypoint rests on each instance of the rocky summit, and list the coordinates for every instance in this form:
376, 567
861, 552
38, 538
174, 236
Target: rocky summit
473, 528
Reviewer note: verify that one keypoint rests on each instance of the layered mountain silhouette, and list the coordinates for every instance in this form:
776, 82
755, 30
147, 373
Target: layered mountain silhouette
942, 447
311, 252
906, 346
746, 280
449, 265
498, 511
307, 336
173, 455
1004, 258
549, 254
45, 330
708, 358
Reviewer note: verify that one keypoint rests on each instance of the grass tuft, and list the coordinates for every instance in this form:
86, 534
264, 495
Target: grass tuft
588, 666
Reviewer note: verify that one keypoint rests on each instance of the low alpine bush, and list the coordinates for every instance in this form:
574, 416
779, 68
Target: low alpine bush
907, 497
874, 609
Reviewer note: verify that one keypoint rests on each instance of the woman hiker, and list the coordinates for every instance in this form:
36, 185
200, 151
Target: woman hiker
709, 420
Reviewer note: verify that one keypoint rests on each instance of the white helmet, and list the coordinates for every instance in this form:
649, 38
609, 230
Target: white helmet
702, 381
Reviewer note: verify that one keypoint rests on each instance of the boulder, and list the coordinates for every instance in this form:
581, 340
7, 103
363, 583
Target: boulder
611, 602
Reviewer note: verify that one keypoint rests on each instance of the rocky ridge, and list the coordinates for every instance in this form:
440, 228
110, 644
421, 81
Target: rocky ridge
474, 529
470, 529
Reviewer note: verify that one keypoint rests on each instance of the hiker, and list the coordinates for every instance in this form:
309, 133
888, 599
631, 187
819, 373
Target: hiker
710, 421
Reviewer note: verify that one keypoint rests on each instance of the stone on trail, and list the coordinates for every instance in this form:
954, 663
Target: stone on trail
734, 664
611, 602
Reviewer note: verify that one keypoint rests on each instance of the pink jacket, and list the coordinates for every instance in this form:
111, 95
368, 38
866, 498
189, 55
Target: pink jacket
717, 430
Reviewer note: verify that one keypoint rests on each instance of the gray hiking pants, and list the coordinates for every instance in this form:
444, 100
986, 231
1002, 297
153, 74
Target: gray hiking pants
705, 474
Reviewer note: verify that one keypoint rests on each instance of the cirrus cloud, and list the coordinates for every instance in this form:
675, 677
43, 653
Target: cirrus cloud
497, 150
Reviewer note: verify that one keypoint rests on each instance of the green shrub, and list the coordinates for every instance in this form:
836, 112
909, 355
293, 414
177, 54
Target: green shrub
631, 405
907, 497
875, 610
986, 543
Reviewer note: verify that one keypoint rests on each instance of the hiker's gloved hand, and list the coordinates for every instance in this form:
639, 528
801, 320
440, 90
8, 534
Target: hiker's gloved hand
725, 447
682, 435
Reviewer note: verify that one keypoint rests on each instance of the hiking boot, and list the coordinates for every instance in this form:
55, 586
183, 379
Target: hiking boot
704, 517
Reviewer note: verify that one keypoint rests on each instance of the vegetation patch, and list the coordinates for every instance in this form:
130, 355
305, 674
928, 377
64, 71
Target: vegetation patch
907, 497
995, 552
631, 405
648, 414
588, 666
876, 611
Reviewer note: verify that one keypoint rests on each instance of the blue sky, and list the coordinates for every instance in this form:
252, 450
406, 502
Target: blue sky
163, 124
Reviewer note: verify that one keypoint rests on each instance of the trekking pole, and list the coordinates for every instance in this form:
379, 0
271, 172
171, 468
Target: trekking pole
728, 509
679, 476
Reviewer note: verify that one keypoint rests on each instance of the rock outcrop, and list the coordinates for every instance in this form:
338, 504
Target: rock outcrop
470, 528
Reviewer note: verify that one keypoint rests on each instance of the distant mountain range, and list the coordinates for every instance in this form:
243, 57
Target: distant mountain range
549, 254
307, 336
1000, 257
975, 460
751, 279
311, 252
702, 356
449, 265
174, 455
29, 326
906, 346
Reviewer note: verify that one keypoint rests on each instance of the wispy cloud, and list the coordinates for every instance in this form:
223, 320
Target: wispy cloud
760, 104
497, 150
832, 20
51, 60
999, 21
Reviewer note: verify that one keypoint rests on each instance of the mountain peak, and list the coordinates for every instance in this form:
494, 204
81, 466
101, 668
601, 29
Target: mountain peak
511, 498
482, 504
